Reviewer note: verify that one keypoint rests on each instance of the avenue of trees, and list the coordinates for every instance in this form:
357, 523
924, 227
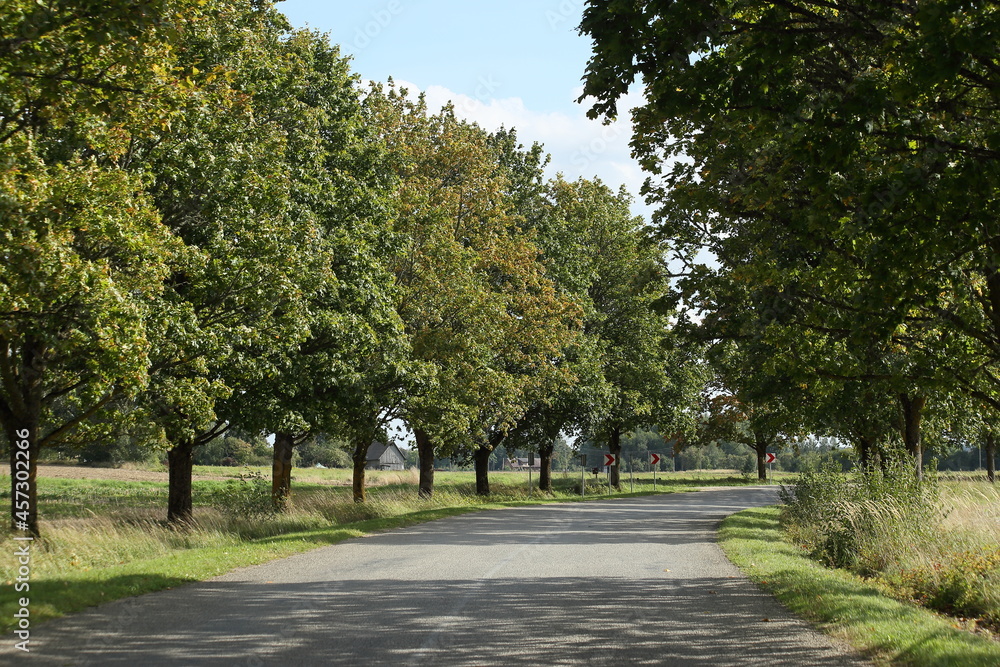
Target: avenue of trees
212, 233
209, 226
826, 175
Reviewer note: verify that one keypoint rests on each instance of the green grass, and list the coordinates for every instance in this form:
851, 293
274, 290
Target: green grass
104, 540
844, 605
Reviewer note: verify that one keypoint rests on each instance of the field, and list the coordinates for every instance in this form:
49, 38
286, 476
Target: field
105, 535
955, 569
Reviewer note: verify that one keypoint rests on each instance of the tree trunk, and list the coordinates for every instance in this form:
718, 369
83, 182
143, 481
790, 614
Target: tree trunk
24, 449
281, 469
913, 407
864, 452
180, 460
22, 417
615, 447
360, 463
425, 453
760, 450
482, 461
545, 467
991, 452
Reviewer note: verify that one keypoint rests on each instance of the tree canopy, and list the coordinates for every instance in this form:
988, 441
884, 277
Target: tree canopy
836, 172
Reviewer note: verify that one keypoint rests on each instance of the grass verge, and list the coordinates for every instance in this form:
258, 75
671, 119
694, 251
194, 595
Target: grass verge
843, 605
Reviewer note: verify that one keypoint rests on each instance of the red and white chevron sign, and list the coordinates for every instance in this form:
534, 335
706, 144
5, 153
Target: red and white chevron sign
610, 459
654, 458
769, 458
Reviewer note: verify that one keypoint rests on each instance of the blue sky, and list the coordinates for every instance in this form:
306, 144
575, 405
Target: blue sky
516, 63
523, 48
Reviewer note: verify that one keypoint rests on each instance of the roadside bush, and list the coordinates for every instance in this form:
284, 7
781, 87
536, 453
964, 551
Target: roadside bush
890, 527
965, 583
592, 487
247, 497
865, 521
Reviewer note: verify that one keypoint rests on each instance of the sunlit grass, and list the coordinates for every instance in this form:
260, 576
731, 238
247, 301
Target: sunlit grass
935, 543
845, 605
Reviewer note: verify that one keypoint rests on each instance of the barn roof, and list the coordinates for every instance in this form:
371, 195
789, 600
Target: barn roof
377, 449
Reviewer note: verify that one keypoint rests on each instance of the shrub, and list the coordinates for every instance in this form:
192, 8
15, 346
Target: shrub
247, 497
888, 526
965, 583
862, 521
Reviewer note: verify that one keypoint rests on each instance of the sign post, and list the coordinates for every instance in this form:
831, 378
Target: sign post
769, 460
609, 460
654, 461
583, 475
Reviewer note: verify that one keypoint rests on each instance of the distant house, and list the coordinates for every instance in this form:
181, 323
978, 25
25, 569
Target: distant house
522, 463
385, 457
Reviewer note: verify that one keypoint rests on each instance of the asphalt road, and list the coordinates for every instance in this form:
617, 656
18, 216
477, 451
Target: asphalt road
630, 581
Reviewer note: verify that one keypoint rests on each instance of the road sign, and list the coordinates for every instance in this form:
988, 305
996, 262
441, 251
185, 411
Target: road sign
769, 458
654, 458
610, 459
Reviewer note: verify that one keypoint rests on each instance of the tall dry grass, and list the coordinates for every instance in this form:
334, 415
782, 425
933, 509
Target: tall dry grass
937, 543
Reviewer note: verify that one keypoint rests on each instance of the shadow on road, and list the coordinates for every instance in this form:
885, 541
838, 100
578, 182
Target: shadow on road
503, 621
620, 521
630, 581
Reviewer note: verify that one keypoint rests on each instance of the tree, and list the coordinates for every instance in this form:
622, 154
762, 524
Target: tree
84, 251
244, 300
646, 377
483, 322
354, 353
746, 405
822, 159
84, 257
567, 220
82, 64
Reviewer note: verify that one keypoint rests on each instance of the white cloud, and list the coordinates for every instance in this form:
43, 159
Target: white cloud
579, 147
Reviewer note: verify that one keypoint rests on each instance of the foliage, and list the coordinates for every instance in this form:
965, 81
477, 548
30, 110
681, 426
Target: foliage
845, 605
230, 450
817, 158
484, 325
633, 369
855, 521
324, 450
207, 226
963, 583
892, 528
92, 65
722, 455
248, 497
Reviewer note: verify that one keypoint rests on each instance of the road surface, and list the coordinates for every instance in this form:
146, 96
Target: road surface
619, 582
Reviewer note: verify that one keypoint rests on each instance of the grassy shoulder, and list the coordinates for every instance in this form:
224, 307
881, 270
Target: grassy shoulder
843, 605
123, 551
